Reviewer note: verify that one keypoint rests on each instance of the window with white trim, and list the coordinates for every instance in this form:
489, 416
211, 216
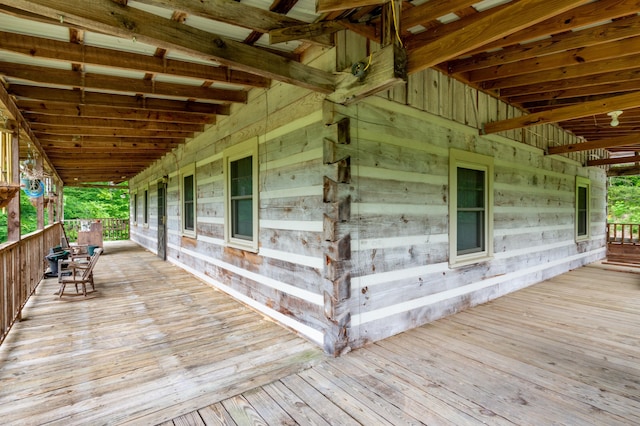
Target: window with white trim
188, 191
583, 210
241, 200
470, 207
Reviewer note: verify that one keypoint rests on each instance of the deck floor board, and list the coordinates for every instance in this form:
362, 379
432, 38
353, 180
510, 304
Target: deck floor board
157, 346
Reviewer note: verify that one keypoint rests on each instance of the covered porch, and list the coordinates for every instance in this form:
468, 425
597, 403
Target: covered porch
153, 344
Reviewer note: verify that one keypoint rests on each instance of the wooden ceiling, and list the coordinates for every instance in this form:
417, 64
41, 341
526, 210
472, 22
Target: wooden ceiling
103, 88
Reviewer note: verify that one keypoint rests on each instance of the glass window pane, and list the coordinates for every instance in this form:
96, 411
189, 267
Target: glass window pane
188, 188
582, 210
242, 211
470, 188
241, 181
470, 231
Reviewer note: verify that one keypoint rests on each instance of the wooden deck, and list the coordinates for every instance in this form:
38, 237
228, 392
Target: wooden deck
154, 344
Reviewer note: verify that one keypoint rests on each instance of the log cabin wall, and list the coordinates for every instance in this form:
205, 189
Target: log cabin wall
353, 206
283, 278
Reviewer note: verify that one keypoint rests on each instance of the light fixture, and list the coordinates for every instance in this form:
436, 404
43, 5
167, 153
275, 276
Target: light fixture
614, 117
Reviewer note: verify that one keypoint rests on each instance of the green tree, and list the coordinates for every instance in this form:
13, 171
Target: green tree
96, 203
79, 203
624, 199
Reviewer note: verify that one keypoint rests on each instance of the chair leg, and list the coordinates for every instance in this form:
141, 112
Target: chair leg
61, 290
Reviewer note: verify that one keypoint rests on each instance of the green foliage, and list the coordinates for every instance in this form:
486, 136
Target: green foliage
624, 199
96, 203
79, 203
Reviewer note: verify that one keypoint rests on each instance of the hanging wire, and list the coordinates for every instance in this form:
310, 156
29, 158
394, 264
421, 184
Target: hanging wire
395, 22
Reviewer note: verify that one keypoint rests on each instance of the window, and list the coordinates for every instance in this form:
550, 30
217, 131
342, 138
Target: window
470, 207
583, 196
188, 189
241, 201
146, 207
135, 208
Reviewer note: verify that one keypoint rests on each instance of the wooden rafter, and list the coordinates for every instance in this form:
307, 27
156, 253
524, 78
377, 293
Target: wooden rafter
432, 10
118, 84
622, 102
82, 54
122, 21
63, 109
514, 17
110, 100
614, 160
332, 5
591, 145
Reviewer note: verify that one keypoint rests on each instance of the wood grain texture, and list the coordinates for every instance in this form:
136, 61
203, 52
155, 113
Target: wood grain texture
560, 352
150, 342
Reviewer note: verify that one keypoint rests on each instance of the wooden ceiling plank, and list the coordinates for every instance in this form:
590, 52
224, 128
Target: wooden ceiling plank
574, 95
110, 100
89, 131
614, 160
432, 10
574, 57
621, 102
107, 123
59, 50
624, 171
332, 5
562, 73
590, 145
486, 29
580, 86
122, 84
606, 33
122, 21
63, 109
316, 29
50, 140
580, 16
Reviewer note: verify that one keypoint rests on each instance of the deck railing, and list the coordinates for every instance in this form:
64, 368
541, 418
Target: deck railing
623, 233
112, 229
22, 266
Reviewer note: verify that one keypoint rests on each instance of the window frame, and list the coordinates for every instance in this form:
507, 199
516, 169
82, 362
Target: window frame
134, 199
472, 161
235, 153
582, 182
145, 206
185, 172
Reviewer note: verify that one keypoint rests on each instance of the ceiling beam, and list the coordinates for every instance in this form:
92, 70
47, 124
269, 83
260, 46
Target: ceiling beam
63, 109
331, 5
569, 58
624, 171
82, 54
614, 160
316, 29
118, 84
590, 145
578, 17
605, 33
535, 76
110, 100
621, 102
108, 123
514, 17
432, 10
91, 131
121, 21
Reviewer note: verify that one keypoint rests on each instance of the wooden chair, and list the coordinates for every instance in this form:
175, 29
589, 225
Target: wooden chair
77, 271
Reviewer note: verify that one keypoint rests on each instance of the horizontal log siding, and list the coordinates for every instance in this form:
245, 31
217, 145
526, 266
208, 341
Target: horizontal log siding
283, 280
400, 276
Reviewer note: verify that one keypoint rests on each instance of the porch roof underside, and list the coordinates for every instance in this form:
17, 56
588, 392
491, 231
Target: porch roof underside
102, 89
153, 344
